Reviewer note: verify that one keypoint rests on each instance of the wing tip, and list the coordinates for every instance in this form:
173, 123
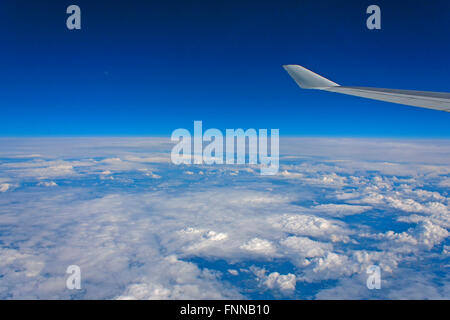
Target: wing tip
306, 78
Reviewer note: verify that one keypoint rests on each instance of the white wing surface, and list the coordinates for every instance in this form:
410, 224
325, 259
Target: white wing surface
425, 99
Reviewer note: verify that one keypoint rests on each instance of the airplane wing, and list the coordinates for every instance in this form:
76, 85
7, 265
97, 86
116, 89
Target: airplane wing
432, 100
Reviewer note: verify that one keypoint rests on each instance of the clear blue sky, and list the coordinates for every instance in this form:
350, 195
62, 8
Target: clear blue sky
149, 67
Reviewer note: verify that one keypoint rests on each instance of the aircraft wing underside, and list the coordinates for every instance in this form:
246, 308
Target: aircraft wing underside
432, 100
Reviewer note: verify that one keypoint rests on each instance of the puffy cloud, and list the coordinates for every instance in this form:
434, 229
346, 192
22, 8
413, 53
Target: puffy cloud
309, 225
280, 283
283, 282
410, 205
306, 247
179, 280
259, 246
430, 234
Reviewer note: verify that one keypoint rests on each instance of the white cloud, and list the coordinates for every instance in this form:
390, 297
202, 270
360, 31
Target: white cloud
179, 280
4, 187
259, 246
284, 283
309, 225
233, 272
306, 247
410, 205
341, 210
47, 184
337, 206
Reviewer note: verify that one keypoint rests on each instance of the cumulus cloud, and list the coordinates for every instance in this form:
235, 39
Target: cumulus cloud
282, 282
259, 246
309, 225
306, 247
179, 280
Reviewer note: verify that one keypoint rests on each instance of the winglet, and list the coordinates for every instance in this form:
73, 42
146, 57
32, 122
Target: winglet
307, 79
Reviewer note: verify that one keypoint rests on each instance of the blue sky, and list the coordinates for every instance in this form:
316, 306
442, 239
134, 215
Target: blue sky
147, 68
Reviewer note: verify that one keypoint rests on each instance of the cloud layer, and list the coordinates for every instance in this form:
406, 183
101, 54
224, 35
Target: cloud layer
140, 227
